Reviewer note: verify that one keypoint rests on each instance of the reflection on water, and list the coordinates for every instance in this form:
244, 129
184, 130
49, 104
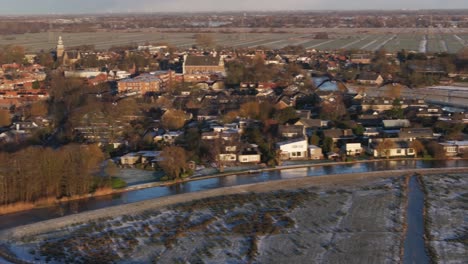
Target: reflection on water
35, 215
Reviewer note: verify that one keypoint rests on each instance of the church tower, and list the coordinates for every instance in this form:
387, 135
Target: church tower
60, 48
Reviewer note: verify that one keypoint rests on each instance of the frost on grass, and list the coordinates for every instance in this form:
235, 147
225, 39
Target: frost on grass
283, 226
447, 196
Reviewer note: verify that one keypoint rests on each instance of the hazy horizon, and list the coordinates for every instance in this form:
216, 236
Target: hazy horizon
51, 7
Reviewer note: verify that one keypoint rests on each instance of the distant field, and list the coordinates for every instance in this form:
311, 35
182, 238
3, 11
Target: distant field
421, 40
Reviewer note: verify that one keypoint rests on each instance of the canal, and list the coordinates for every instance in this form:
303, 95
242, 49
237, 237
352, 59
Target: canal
414, 246
40, 214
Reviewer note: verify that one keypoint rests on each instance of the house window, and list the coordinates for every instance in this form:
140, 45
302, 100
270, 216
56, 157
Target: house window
451, 149
294, 154
410, 150
299, 154
398, 151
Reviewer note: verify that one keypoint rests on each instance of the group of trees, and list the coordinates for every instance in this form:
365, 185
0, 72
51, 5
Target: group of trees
12, 53
174, 162
34, 173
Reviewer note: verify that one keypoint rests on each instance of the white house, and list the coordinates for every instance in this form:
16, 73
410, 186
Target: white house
352, 149
399, 149
134, 158
228, 157
293, 149
130, 159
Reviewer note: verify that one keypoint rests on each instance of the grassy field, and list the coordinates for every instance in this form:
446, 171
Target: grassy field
423, 40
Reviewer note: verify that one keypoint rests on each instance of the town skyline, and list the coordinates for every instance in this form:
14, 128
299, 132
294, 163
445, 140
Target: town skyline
26, 7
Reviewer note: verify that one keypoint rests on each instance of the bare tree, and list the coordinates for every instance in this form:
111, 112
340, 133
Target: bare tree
5, 118
174, 162
417, 146
384, 147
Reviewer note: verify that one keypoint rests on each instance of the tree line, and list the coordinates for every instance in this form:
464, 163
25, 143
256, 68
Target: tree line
34, 173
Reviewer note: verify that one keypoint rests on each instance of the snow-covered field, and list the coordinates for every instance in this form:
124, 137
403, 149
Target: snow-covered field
296, 226
448, 214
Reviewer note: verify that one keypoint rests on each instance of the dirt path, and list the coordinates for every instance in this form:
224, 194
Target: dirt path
134, 208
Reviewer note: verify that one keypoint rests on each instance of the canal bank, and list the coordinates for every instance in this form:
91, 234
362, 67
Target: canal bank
148, 191
135, 208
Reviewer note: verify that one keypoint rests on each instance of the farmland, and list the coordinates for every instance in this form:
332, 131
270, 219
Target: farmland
277, 226
446, 216
419, 40
342, 219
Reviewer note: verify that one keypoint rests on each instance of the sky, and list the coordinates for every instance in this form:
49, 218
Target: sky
15, 7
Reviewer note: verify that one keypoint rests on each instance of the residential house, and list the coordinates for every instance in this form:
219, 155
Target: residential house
130, 159
250, 154
227, 157
431, 111
143, 157
373, 120
416, 133
371, 132
396, 123
285, 101
454, 148
312, 123
291, 131
400, 148
370, 78
352, 149
315, 152
293, 149
339, 134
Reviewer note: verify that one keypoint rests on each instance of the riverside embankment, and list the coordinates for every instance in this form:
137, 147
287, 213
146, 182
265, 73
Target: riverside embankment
295, 183
154, 190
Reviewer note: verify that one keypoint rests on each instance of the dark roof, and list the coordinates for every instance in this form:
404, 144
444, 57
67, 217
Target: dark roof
202, 61
338, 133
370, 120
291, 129
416, 133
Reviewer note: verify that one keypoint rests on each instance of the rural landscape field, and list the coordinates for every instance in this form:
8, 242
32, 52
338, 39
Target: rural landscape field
362, 221
432, 40
304, 131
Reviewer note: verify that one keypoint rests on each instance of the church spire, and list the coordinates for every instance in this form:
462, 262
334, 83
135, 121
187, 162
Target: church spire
60, 47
